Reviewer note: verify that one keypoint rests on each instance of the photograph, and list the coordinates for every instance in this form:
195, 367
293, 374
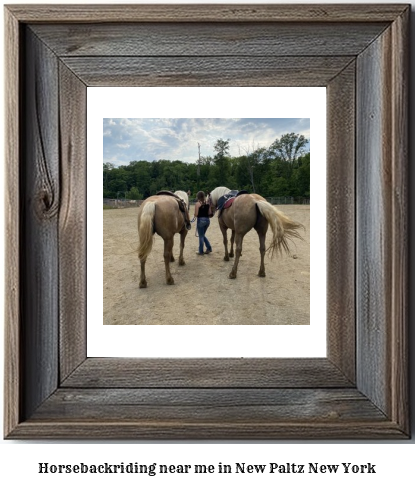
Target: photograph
219, 208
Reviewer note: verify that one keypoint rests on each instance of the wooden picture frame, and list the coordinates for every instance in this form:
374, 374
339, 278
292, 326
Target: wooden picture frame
360, 53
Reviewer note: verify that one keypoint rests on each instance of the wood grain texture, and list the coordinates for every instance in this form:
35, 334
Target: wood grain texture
207, 71
400, 246
209, 405
40, 204
372, 304
207, 13
188, 430
206, 373
13, 383
236, 39
72, 222
382, 222
341, 236
374, 221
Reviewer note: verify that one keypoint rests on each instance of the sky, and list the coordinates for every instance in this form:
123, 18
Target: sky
127, 140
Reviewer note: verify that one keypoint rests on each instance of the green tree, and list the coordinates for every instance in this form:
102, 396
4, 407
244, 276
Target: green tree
301, 176
221, 161
108, 167
133, 194
288, 148
261, 170
251, 162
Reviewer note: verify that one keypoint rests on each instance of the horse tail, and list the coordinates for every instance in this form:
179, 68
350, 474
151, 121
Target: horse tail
283, 228
145, 230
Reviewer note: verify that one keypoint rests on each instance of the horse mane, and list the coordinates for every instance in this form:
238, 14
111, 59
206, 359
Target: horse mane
183, 195
217, 193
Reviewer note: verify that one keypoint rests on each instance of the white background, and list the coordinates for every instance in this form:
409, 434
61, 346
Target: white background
184, 340
394, 460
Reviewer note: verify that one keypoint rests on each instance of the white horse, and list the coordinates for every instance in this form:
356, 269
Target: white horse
184, 196
253, 211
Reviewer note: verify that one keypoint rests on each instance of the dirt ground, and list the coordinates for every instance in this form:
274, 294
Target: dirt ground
203, 294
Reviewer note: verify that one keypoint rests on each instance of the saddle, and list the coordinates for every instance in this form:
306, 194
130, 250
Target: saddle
182, 206
227, 200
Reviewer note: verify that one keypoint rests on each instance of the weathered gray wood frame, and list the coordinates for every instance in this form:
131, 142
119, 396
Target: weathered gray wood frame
359, 52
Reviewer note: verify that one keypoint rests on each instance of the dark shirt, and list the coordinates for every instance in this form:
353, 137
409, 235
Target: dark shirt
203, 211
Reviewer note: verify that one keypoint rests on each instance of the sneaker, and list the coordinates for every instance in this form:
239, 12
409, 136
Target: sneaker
199, 254
208, 251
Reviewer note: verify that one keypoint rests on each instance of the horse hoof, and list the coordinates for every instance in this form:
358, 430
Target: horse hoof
182, 262
142, 284
232, 276
172, 259
226, 258
262, 274
231, 255
170, 282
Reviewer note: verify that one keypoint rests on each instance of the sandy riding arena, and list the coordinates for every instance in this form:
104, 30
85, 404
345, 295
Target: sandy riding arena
203, 294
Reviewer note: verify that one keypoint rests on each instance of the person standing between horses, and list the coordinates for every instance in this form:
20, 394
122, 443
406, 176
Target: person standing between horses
203, 222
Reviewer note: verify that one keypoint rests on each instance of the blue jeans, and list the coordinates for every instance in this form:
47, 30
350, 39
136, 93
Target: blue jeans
202, 226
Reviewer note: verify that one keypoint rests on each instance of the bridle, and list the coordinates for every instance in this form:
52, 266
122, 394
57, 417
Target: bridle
212, 208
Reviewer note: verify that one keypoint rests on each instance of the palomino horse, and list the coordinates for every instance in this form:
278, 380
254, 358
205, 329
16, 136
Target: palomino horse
253, 211
161, 214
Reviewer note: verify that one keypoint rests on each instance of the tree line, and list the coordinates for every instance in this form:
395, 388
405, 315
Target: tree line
280, 170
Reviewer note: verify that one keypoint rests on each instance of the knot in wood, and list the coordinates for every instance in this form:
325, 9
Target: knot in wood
46, 204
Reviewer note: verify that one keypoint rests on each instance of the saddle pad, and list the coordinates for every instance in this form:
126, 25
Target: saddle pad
222, 200
229, 202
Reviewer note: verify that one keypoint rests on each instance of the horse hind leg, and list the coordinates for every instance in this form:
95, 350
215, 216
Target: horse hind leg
168, 247
143, 280
231, 254
225, 240
238, 252
261, 227
183, 235
261, 271
172, 255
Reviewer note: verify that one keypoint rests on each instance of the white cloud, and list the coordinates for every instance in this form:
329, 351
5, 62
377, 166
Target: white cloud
177, 138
